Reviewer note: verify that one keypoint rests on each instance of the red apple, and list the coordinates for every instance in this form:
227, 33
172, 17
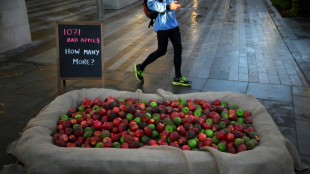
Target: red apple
181, 114
102, 111
186, 147
221, 135
122, 127
68, 131
238, 127
248, 120
216, 102
241, 148
115, 137
208, 142
116, 110
73, 122
106, 142
230, 128
117, 121
175, 144
173, 115
64, 137
71, 145
139, 133
107, 126
161, 140
202, 137
206, 126
133, 127
174, 136
94, 140
181, 130
65, 124
125, 145
230, 137
147, 131
160, 127
97, 124
164, 134
152, 142
232, 116
72, 138
216, 118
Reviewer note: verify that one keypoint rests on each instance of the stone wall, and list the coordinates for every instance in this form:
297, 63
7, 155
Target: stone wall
117, 4
14, 25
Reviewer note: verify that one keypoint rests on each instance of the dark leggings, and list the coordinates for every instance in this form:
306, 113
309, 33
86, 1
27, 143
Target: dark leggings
162, 37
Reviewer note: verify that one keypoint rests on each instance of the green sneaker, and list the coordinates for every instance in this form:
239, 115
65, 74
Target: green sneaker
138, 72
181, 81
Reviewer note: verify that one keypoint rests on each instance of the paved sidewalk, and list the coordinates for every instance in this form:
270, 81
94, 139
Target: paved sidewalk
228, 45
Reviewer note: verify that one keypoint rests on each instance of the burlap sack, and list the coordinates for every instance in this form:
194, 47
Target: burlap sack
275, 154
36, 151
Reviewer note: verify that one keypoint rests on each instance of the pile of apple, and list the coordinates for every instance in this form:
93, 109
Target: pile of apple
131, 123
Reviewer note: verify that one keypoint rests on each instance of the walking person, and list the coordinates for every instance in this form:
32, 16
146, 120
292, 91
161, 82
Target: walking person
166, 26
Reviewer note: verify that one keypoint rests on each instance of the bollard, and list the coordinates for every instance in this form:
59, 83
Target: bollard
100, 9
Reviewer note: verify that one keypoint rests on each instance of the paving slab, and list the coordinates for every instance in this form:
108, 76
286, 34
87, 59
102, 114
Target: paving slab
301, 91
281, 112
295, 33
303, 136
225, 85
14, 106
270, 91
306, 160
301, 107
290, 134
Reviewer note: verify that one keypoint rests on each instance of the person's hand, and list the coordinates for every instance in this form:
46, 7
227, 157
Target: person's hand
174, 5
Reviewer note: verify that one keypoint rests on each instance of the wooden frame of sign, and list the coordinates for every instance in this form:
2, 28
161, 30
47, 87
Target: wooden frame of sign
79, 51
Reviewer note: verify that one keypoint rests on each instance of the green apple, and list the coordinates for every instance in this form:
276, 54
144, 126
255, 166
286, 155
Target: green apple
192, 143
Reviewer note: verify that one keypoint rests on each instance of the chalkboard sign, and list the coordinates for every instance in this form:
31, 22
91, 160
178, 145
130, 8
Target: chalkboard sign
80, 51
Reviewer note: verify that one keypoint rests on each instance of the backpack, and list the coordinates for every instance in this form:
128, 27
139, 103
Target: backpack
149, 13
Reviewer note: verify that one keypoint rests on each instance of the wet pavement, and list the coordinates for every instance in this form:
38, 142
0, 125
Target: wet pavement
228, 45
